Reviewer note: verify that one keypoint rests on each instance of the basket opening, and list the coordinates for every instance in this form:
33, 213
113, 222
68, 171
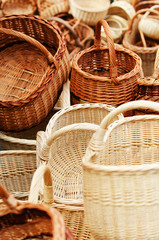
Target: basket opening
29, 224
97, 63
100, 4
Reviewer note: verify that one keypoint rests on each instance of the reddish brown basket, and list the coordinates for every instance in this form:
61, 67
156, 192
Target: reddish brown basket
34, 66
139, 5
24, 220
78, 35
105, 74
132, 41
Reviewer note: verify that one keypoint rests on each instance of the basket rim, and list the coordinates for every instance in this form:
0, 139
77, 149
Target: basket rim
99, 10
76, 67
58, 56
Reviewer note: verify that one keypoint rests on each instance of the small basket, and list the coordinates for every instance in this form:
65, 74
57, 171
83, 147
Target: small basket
24, 220
105, 74
10, 7
30, 88
149, 88
49, 8
90, 12
121, 176
132, 40
77, 34
122, 9
61, 147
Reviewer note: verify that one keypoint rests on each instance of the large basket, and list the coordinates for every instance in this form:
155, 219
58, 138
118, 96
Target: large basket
106, 74
17, 7
90, 12
121, 176
49, 8
35, 64
77, 34
61, 148
132, 39
23, 220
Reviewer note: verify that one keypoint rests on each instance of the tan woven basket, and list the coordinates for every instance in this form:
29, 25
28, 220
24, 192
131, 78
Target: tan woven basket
121, 176
49, 8
132, 40
106, 74
61, 147
17, 7
30, 88
30, 221
77, 34
90, 12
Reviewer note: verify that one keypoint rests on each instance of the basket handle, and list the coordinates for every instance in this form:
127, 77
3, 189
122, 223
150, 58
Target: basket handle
155, 74
43, 172
33, 42
7, 198
70, 28
111, 47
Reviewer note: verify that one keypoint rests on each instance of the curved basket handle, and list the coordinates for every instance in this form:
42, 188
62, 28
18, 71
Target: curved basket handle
33, 42
7, 198
111, 47
43, 172
70, 28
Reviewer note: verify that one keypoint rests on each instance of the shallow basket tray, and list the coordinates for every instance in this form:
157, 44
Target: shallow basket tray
10, 7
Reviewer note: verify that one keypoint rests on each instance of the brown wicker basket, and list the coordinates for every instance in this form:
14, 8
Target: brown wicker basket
139, 5
32, 70
106, 74
149, 88
132, 40
10, 7
78, 35
24, 220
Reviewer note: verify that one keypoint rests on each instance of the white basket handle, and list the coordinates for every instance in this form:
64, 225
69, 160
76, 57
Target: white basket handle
33, 42
43, 172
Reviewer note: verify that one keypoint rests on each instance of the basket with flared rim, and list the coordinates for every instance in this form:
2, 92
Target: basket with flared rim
147, 48
20, 220
120, 175
29, 88
105, 74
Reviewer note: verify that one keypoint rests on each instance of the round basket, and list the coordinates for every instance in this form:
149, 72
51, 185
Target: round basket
35, 65
139, 5
22, 220
77, 34
122, 9
90, 12
105, 73
17, 7
48, 8
132, 40
120, 175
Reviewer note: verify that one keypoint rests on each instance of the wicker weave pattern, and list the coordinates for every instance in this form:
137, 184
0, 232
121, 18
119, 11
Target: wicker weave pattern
35, 104
121, 176
105, 74
10, 7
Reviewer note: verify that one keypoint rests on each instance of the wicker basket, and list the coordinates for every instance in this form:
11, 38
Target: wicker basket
106, 74
49, 8
30, 91
90, 12
61, 147
132, 39
122, 9
121, 176
78, 35
17, 7
139, 5
30, 221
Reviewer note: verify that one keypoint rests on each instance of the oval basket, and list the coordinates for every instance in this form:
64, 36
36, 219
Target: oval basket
32, 79
17, 7
132, 39
103, 73
139, 5
120, 175
22, 220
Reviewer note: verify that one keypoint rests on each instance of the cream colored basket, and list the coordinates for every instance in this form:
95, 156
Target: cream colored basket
121, 176
61, 148
18, 7
49, 8
90, 12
